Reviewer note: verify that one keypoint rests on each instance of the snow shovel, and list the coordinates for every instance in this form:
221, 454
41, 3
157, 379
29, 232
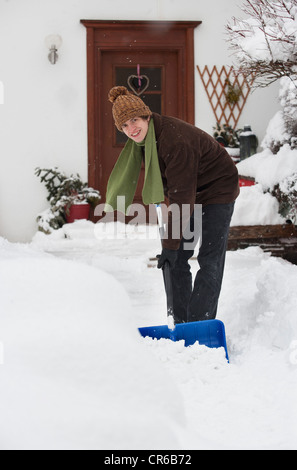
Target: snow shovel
210, 333
166, 267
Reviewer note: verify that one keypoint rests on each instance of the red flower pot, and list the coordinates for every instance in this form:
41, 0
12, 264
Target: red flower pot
77, 212
246, 182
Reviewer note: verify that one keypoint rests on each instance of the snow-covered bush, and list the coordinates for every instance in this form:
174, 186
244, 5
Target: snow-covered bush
63, 191
265, 48
286, 193
276, 135
50, 220
264, 43
288, 101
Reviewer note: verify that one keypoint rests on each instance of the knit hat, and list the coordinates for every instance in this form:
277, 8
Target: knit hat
126, 106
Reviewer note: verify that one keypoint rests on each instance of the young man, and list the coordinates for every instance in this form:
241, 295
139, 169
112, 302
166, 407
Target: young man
189, 167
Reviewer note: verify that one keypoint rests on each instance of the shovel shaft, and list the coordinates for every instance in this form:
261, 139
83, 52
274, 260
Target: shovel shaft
168, 288
166, 267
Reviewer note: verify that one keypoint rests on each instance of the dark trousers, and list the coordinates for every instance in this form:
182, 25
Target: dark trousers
200, 301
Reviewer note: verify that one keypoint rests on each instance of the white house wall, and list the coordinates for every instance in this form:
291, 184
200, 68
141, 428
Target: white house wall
43, 107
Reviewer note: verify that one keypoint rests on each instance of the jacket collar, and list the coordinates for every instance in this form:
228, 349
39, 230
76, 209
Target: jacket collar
158, 124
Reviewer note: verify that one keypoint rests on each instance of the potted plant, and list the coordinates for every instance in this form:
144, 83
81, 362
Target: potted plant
232, 93
228, 138
69, 197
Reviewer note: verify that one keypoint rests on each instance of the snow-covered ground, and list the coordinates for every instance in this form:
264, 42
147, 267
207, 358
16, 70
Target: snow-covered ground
76, 374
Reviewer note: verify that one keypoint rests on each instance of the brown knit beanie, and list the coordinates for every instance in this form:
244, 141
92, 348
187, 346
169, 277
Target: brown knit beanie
126, 106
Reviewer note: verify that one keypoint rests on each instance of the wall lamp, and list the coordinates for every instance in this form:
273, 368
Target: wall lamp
53, 42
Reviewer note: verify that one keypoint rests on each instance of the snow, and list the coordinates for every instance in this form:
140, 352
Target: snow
268, 32
76, 374
255, 204
254, 207
269, 169
255, 45
276, 130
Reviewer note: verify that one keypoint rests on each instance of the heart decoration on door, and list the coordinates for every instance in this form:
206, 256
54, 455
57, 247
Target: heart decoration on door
138, 83
134, 81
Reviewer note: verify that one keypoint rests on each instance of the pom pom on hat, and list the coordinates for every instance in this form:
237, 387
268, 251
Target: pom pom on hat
126, 106
117, 91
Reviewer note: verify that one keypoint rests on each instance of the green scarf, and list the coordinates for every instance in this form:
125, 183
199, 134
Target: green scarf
124, 176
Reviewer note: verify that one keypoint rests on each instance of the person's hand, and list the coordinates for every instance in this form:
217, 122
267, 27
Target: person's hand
167, 255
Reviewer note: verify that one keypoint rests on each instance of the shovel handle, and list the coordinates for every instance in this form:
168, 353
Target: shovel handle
166, 267
160, 221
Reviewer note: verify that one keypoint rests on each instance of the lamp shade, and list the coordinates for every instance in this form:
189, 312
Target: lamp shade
53, 40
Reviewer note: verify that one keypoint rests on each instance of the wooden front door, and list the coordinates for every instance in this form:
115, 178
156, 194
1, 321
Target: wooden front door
159, 71
117, 53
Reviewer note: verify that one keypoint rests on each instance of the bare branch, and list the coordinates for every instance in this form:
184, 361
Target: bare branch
272, 26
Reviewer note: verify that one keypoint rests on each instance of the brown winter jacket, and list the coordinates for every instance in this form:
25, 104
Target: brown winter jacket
195, 168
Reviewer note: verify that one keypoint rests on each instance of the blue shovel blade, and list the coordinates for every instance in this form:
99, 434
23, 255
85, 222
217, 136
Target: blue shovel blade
210, 333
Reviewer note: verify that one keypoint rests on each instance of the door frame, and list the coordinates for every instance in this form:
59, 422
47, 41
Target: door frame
148, 35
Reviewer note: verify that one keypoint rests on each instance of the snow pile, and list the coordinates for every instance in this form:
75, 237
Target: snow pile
269, 169
76, 373
264, 300
276, 131
254, 207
